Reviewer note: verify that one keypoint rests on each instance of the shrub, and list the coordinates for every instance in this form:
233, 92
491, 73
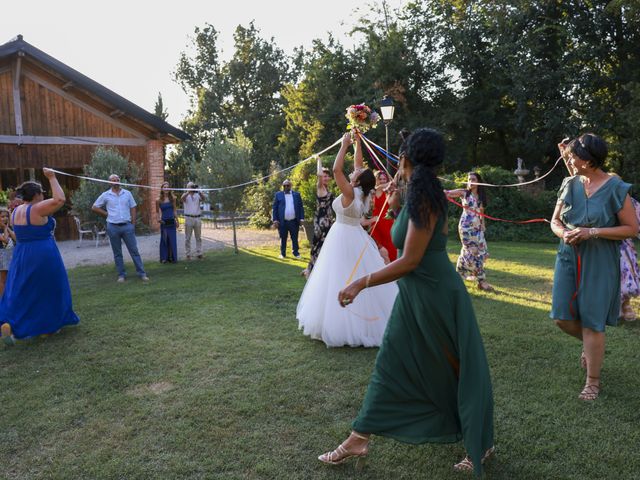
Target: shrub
259, 198
104, 162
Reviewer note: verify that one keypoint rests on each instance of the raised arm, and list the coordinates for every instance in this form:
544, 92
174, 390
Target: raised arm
338, 171
319, 172
458, 192
56, 202
358, 163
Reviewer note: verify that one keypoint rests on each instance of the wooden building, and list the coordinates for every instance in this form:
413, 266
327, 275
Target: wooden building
53, 116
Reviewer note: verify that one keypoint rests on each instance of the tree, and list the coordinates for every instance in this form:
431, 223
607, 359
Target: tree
241, 95
159, 109
226, 162
104, 162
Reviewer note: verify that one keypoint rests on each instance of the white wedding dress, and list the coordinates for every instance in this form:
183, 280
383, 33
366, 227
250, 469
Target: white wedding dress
319, 314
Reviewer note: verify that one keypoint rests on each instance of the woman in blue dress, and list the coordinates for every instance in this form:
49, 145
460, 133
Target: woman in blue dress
37, 297
166, 207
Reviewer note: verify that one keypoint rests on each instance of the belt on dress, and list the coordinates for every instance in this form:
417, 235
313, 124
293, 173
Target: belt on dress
192, 216
120, 224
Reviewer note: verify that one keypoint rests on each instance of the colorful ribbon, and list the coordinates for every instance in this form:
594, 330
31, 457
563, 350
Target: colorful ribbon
533, 220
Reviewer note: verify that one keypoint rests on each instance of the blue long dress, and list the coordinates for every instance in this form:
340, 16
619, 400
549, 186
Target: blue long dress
168, 245
37, 297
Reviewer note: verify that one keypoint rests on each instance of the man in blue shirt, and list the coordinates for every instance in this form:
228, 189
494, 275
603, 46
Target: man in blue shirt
288, 212
119, 207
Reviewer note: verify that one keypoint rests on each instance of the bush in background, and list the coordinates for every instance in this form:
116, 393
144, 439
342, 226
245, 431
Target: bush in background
259, 197
104, 162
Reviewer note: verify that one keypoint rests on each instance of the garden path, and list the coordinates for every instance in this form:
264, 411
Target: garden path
74, 254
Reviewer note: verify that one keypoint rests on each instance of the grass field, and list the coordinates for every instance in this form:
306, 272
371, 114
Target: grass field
202, 373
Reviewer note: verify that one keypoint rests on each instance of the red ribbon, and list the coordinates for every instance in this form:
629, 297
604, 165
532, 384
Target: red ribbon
533, 220
579, 274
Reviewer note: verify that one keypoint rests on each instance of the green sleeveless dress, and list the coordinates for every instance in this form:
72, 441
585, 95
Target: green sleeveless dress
431, 380
597, 301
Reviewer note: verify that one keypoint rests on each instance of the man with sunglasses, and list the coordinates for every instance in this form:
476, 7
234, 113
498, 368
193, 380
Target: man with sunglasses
119, 208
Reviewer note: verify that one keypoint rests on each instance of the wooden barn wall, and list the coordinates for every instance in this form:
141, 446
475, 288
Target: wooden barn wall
46, 113
58, 156
7, 117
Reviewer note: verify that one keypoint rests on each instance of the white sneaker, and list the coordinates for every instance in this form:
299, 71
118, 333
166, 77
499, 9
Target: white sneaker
280, 257
121, 279
297, 256
144, 278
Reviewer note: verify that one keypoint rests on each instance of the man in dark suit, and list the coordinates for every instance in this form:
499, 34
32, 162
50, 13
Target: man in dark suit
288, 212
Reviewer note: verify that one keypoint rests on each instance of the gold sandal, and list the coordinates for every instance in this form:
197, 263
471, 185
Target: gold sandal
466, 465
341, 454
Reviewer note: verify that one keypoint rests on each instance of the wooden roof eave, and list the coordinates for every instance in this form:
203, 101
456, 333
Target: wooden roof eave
85, 89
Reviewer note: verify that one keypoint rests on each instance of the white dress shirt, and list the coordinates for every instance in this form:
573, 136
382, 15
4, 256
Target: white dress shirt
289, 209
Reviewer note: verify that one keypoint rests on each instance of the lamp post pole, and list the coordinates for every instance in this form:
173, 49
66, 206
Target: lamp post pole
386, 110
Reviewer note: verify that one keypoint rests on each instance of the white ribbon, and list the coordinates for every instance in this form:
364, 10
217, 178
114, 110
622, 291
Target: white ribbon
216, 189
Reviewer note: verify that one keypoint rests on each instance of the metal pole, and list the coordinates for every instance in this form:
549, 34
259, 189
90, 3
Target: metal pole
386, 134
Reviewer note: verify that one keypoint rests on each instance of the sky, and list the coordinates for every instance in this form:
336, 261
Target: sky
132, 47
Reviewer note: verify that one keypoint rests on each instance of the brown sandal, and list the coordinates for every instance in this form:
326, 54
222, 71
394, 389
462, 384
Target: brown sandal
591, 391
486, 286
628, 313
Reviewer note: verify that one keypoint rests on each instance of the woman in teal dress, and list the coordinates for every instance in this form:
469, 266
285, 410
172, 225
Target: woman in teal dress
593, 213
431, 380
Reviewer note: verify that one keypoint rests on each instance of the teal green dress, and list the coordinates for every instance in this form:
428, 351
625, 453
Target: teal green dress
431, 380
597, 301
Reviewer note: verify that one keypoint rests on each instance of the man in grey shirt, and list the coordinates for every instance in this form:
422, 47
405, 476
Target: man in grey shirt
119, 208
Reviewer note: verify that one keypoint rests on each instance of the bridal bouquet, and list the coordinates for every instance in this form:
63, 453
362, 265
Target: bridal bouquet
361, 118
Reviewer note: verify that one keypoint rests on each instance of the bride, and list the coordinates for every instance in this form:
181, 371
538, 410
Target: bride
347, 247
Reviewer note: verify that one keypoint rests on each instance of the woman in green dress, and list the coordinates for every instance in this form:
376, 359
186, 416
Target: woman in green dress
593, 213
431, 380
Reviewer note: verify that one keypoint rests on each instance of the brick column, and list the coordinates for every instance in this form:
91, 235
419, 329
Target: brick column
155, 175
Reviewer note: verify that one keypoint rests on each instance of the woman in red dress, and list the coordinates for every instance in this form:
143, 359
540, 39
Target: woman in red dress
382, 231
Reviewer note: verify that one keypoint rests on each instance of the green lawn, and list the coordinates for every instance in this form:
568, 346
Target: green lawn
202, 373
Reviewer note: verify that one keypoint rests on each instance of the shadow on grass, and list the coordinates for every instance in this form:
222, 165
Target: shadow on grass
202, 373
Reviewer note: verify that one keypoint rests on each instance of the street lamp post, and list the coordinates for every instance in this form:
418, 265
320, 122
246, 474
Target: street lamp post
386, 110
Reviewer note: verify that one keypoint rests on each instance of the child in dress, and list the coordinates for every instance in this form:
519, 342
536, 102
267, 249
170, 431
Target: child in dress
7, 240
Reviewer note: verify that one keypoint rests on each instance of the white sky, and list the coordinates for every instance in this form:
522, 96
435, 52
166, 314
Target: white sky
132, 47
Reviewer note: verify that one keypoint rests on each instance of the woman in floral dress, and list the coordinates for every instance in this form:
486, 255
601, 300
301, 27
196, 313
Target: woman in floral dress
629, 273
471, 228
324, 215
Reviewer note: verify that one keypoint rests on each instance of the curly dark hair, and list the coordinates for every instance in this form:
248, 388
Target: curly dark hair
367, 181
591, 148
482, 190
425, 151
27, 190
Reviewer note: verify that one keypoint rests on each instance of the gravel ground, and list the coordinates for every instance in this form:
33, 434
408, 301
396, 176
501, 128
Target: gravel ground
75, 254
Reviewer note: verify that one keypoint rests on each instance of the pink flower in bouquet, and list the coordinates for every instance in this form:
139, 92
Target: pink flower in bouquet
361, 118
